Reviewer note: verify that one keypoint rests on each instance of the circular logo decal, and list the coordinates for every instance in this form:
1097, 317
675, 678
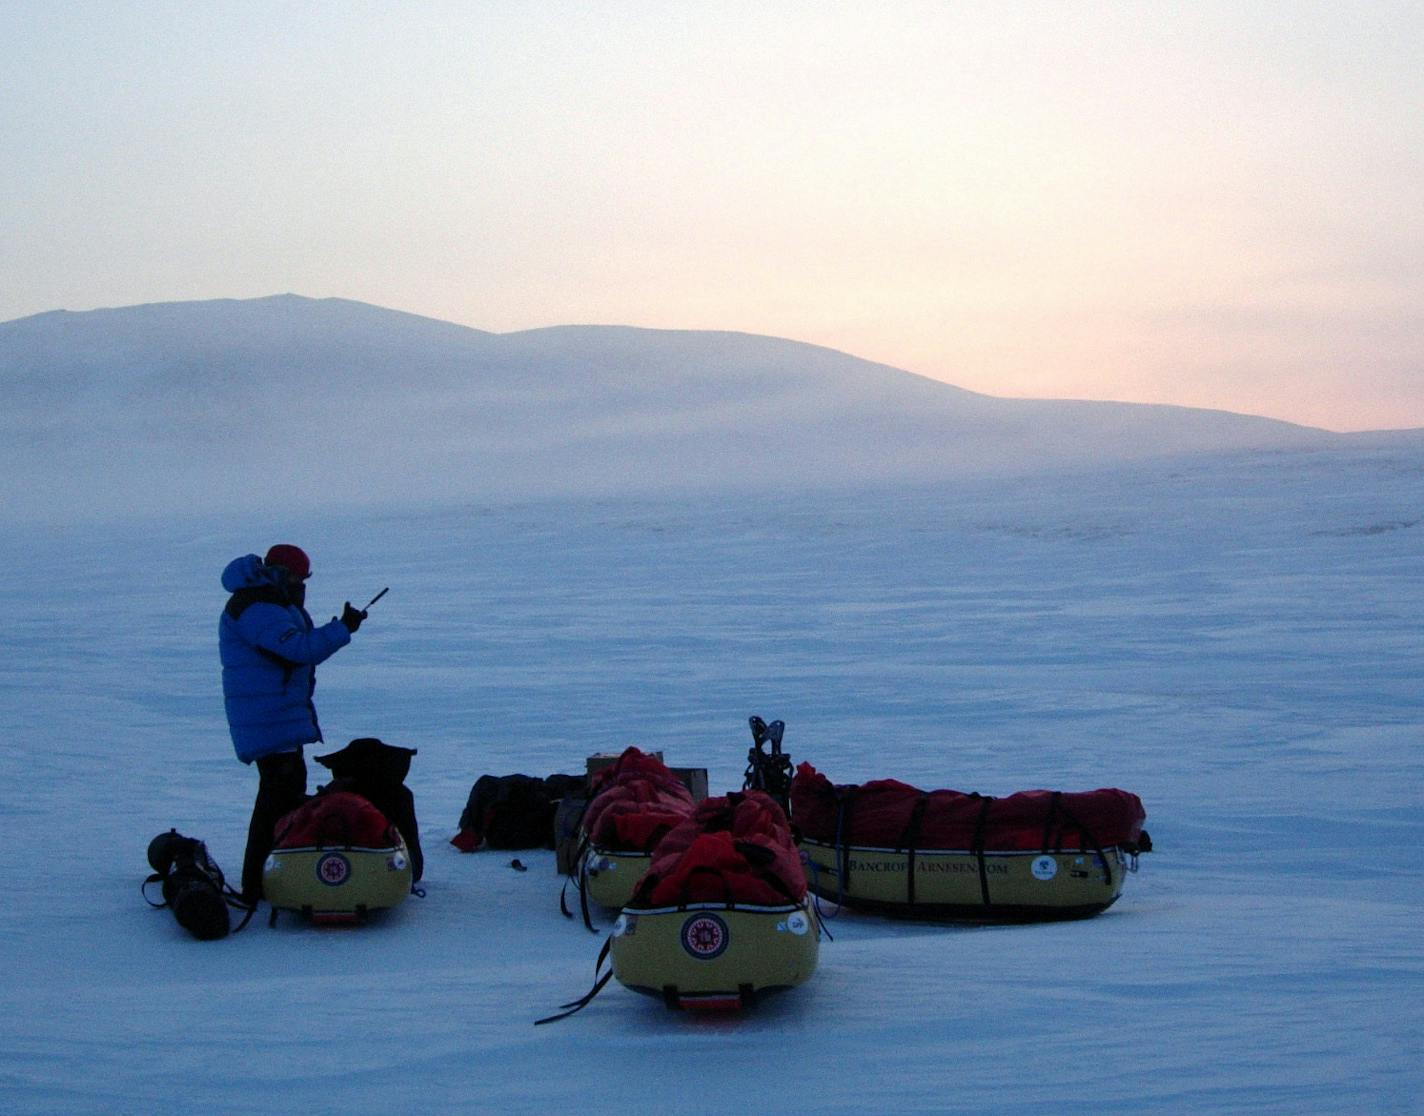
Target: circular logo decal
705, 936
798, 923
1045, 868
333, 869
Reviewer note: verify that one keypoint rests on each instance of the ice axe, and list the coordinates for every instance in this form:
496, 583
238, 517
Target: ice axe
376, 598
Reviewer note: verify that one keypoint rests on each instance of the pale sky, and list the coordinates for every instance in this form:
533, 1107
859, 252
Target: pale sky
1218, 204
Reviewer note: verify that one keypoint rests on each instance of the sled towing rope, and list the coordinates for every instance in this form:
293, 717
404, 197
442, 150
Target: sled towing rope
583, 1001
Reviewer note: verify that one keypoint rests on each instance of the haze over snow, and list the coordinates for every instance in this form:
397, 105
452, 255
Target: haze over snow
234, 403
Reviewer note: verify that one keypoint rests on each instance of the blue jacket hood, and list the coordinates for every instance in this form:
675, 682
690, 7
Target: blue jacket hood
247, 572
269, 649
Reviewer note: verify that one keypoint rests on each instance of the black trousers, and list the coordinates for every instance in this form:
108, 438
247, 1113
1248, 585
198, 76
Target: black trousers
281, 788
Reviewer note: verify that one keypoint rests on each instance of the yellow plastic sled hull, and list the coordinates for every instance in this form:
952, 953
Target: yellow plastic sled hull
610, 877
962, 885
708, 956
333, 883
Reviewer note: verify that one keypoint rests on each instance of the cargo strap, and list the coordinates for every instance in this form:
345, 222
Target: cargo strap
908, 840
844, 799
1134, 849
579, 878
583, 1001
978, 849
1088, 837
1053, 804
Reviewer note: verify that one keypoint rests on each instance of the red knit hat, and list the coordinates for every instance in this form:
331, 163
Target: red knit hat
291, 558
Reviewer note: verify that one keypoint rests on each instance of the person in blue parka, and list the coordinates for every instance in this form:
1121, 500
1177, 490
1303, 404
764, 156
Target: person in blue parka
269, 649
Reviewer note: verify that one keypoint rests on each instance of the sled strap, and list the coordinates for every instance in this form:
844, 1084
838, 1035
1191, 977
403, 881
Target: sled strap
246, 918
843, 804
583, 888
759, 862
1088, 840
1136, 848
234, 900
908, 840
583, 1001
157, 877
979, 832
1053, 804
578, 878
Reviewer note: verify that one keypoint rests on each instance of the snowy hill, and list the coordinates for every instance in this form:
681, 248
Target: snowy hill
232, 404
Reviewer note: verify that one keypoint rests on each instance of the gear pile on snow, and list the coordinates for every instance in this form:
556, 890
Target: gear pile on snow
884, 811
193, 886
513, 811
887, 846
736, 849
345, 852
634, 804
337, 819
722, 915
377, 771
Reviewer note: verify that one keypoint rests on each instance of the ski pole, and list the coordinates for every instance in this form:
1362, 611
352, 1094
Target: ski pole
377, 597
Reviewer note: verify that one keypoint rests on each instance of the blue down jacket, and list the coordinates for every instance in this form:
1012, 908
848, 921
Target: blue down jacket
269, 649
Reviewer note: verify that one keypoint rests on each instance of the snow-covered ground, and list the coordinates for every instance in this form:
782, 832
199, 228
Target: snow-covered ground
1235, 639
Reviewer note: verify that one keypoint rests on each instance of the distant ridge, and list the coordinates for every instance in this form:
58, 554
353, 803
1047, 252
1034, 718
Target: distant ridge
242, 403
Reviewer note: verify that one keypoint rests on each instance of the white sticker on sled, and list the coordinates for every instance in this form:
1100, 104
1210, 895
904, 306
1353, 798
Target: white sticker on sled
1045, 868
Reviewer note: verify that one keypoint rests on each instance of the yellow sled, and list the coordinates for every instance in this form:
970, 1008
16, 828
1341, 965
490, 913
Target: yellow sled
713, 956
332, 884
609, 877
967, 886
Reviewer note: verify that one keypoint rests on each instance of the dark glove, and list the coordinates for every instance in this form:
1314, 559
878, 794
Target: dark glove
352, 617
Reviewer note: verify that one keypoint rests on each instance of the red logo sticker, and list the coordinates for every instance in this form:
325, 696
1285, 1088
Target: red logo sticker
333, 869
705, 936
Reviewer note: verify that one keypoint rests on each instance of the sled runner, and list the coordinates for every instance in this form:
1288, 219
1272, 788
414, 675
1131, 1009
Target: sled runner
337, 859
722, 915
1038, 855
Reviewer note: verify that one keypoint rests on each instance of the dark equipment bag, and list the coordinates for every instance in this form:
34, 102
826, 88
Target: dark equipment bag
513, 811
192, 885
376, 771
